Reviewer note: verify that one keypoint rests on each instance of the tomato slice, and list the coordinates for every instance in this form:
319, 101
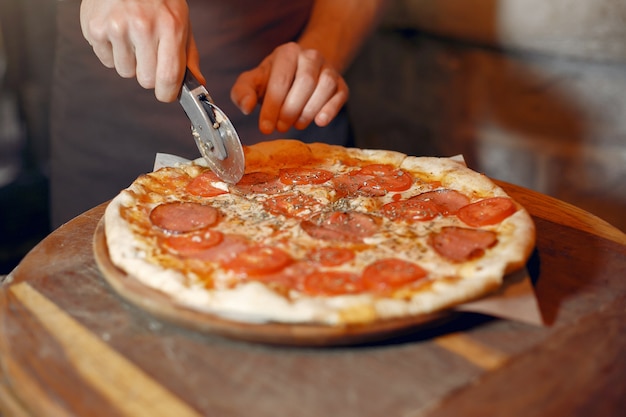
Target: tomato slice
202, 185
192, 243
258, 260
304, 176
331, 256
332, 283
487, 212
390, 274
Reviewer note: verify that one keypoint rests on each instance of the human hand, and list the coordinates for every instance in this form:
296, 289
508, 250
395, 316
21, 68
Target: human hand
147, 39
295, 86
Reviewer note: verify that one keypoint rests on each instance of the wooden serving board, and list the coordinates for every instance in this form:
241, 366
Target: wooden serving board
70, 346
164, 307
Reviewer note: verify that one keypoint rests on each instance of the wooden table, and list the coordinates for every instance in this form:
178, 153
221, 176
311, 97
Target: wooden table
69, 346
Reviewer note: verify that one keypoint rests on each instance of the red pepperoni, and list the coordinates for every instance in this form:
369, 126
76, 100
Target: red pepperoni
292, 205
387, 177
350, 185
258, 260
448, 201
225, 250
202, 185
342, 226
304, 176
390, 274
410, 210
260, 182
288, 278
191, 244
373, 180
332, 283
258, 177
459, 244
487, 212
182, 217
331, 256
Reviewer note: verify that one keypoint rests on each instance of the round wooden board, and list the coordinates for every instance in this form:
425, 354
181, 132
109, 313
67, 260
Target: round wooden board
160, 305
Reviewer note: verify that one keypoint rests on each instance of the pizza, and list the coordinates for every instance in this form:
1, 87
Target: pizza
318, 234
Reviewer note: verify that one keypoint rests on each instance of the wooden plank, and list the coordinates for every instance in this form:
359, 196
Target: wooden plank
134, 392
477, 353
562, 213
578, 373
10, 405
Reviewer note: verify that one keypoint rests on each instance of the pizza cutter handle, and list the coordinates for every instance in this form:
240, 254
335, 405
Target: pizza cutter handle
198, 105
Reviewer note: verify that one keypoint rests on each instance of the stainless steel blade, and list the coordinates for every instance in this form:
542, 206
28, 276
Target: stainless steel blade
215, 135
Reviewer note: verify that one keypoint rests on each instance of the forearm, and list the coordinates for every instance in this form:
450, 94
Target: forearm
338, 28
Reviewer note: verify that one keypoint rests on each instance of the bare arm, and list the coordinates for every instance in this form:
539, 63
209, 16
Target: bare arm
302, 81
338, 28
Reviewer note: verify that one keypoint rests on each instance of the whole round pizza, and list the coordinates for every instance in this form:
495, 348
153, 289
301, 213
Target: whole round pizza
318, 234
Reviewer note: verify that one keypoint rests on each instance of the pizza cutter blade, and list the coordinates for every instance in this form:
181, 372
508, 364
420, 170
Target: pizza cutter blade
213, 132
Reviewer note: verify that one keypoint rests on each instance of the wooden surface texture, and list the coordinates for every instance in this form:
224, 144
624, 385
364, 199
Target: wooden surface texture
70, 346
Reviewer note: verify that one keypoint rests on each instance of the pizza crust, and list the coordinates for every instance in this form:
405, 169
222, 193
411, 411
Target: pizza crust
253, 302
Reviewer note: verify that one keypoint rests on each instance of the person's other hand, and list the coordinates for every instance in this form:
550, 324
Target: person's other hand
295, 86
147, 39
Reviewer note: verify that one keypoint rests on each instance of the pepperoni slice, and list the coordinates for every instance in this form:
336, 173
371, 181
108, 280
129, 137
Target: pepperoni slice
487, 212
260, 182
304, 176
459, 244
373, 180
390, 274
342, 226
225, 250
331, 256
202, 185
447, 201
183, 217
258, 260
292, 205
349, 185
191, 244
387, 177
258, 177
288, 278
410, 210
332, 283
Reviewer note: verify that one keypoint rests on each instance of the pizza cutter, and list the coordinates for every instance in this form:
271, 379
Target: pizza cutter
213, 132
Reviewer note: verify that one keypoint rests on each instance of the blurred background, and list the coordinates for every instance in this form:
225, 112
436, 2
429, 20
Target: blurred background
530, 91
26, 54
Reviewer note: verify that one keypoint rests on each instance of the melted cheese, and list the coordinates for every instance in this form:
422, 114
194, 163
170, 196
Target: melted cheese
245, 215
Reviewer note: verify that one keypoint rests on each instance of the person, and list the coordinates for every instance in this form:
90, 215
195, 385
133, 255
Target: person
274, 67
